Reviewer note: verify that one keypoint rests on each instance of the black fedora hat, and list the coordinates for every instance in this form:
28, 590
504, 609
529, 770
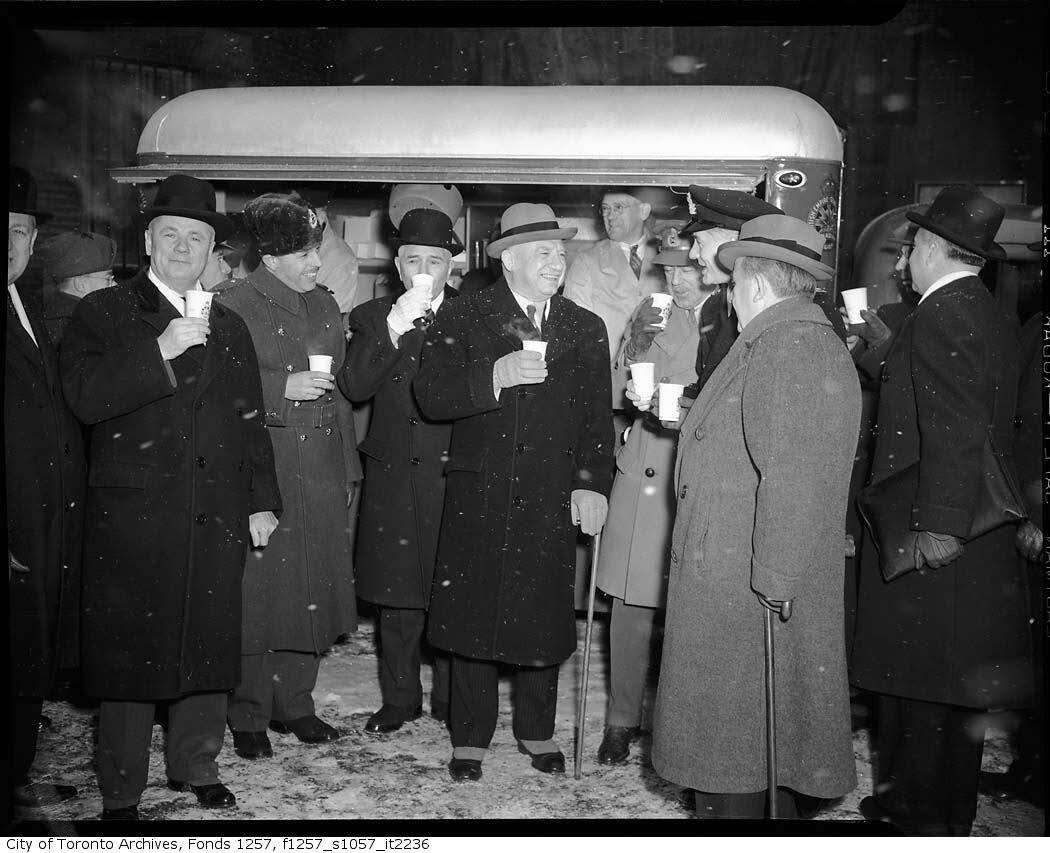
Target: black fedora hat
184, 195
962, 215
21, 196
427, 226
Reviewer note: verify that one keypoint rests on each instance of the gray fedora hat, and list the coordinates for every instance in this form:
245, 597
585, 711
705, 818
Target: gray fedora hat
779, 237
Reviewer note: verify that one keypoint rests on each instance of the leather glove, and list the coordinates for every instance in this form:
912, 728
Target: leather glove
781, 608
644, 327
410, 306
589, 510
1029, 541
261, 525
522, 367
936, 549
873, 330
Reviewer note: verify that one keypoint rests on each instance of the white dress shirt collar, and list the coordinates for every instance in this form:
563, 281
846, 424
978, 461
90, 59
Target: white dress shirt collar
177, 300
20, 311
943, 280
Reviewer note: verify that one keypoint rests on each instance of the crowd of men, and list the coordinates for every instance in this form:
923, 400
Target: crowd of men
190, 523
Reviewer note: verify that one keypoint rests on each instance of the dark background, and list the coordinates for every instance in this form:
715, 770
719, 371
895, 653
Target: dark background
938, 91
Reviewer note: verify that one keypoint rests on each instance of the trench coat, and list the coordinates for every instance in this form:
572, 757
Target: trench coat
762, 508
179, 458
298, 591
405, 454
601, 280
636, 545
45, 479
503, 583
957, 635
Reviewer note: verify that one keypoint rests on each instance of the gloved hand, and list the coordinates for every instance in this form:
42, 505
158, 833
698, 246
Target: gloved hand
261, 525
644, 327
873, 330
589, 510
523, 367
410, 306
1029, 541
936, 549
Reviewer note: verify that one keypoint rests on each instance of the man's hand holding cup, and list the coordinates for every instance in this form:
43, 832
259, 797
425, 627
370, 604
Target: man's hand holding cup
410, 306
309, 384
523, 367
181, 334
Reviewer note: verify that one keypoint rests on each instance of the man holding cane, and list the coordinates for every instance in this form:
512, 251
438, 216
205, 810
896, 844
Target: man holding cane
531, 456
181, 479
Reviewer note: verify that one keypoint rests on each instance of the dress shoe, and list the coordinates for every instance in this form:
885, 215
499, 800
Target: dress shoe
390, 718
464, 770
213, 796
616, 744
308, 729
33, 794
439, 711
545, 762
252, 745
123, 813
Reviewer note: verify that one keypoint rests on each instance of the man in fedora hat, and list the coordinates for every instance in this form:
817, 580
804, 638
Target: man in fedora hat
404, 464
530, 457
942, 645
79, 263
761, 510
44, 473
181, 480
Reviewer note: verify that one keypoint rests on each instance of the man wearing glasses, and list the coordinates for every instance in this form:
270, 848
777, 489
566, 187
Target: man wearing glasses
79, 263
615, 274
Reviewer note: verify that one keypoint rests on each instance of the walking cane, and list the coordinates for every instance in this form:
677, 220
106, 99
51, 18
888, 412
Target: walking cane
581, 713
771, 708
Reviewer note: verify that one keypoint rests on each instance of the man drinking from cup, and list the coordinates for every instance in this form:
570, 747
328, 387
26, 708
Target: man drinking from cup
632, 567
404, 464
299, 590
181, 476
531, 456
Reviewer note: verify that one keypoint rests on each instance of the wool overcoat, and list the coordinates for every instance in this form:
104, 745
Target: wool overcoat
44, 473
503, 583
636, 544
405, 454
298, 591
179, 459
764, 462
957, 635
601, 280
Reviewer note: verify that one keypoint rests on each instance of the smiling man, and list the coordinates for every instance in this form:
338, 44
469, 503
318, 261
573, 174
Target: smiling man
299, 590
181, 479
531, 456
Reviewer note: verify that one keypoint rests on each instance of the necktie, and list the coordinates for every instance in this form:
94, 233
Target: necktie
530, 309
636, 262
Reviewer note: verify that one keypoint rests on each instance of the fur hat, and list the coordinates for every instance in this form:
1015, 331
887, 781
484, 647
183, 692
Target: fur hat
282, 224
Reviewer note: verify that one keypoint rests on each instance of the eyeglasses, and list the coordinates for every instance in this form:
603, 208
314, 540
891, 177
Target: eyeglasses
616, 207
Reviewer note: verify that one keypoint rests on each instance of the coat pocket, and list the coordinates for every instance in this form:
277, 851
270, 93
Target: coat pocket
374, 448
470, 460
119, 475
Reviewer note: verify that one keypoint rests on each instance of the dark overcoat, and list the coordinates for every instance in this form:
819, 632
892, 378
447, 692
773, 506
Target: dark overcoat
179, 459
957, 635
405, 454
44, 473
636, 543
764, 460
298, 591
503, 583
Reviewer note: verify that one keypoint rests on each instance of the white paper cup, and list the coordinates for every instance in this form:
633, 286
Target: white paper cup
855, 299
321, 363
536, 346
422, 279
667, 403
198, 303
662, 301
643, 373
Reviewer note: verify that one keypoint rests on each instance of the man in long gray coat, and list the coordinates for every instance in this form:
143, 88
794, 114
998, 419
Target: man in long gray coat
764, 464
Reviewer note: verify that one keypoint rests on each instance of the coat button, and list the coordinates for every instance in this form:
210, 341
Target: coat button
328, 431
699, 434
288, 368
683, 493
519, 501
65, 447
1017, 424
200, 462
674, 556
649, 472
414, 460
271, 414
521, 448
302, 436
202, 518
200, 405
397, 377
414, 421
522, 393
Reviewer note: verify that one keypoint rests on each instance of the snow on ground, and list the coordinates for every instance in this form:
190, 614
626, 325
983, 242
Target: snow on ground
404, 775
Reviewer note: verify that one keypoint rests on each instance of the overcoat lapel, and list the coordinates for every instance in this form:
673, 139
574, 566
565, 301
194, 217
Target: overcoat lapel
501, 313
21, 340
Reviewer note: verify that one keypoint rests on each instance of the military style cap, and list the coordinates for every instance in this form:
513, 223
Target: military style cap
725, 209
406, 197
674, 248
